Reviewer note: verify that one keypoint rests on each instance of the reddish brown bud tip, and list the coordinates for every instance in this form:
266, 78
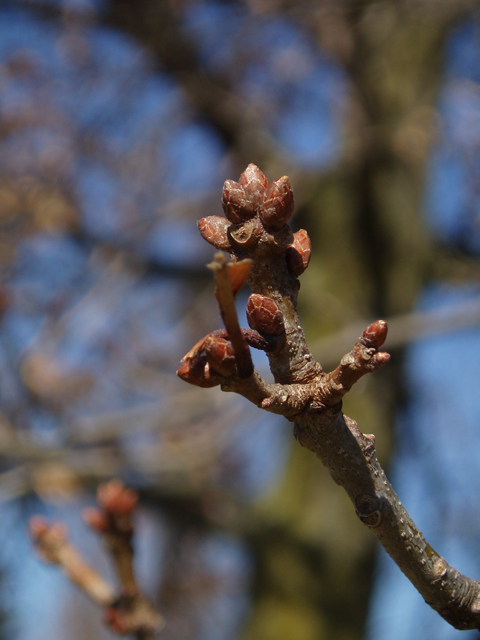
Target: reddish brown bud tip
254, 183
264, 316
278, 205
220, 355
381, 358
96, 519
47, 537
376, 334
115, 498
237, 204
213, 229
298, 253
37, 526
198, 372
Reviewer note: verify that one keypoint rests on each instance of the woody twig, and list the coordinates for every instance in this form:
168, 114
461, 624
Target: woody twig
256, 229
126, 612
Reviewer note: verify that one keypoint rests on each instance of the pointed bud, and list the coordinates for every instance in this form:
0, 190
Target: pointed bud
236, 203
115, 498
213, 229
220, 355
254, 183
198, 372
381, 358
264, 316
278, 205
298, 253
375, 334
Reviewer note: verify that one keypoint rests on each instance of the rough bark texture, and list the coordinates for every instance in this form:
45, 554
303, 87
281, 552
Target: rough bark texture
304, 394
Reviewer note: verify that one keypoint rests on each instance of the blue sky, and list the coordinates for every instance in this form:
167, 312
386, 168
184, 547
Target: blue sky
114, 95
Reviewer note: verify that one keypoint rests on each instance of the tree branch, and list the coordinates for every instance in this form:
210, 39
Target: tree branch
256, 229
128, 612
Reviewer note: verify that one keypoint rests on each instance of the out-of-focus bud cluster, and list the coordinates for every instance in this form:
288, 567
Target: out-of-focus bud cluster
209, 361
116, 504
252, 206
48, 538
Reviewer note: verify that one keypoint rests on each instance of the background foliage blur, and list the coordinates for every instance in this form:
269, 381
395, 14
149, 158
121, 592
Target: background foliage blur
119, 122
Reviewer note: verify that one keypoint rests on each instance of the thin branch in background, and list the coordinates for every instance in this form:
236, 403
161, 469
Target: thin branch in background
127, 612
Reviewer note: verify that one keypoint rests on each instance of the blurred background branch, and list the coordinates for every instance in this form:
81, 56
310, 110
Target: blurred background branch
119, 122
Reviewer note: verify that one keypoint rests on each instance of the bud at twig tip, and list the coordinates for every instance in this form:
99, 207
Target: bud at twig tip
376, 333
278, 205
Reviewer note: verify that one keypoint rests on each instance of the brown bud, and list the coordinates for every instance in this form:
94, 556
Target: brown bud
254, 183
238, 206
220, 355
381, 358
298, 253
48, 538
264, 316
375, 334
213, 229
115, 498
198, 372
277, 208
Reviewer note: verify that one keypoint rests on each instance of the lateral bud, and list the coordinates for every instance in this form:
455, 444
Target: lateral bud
278, 204
254, 183
236, 203
197, 371
220, 355
214, 229
264, 315
299, 252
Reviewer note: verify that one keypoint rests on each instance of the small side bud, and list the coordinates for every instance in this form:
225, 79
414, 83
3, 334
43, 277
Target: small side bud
264, 316
381, 358
254, 183
298, 253
220, 355
214, 229
278, 205
236, 203
198, 372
